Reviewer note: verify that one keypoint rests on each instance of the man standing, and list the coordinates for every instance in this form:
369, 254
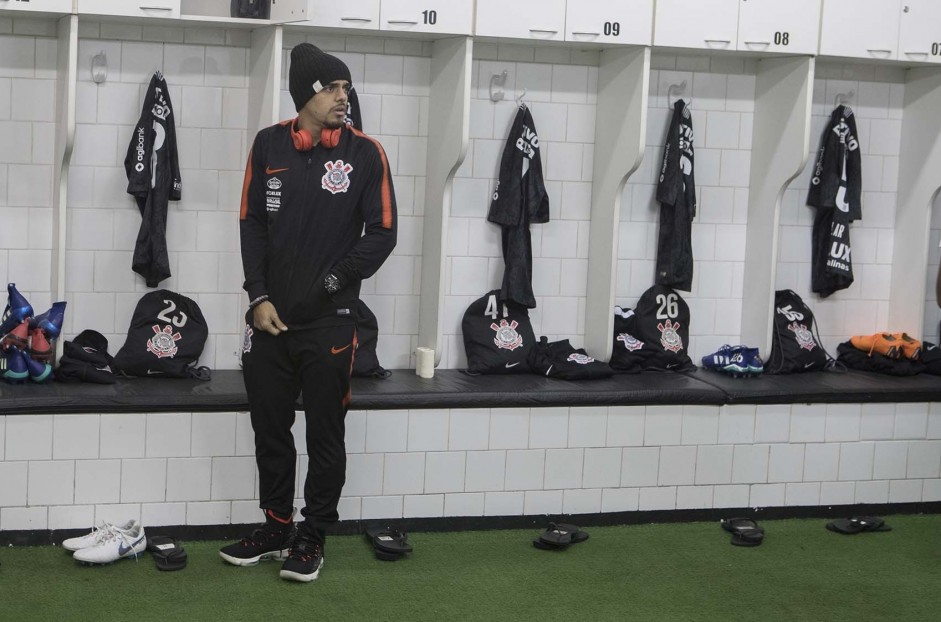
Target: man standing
318, 216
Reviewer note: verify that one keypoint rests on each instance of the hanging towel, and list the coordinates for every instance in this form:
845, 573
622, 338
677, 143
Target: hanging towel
676, 192
519, 199
153, 178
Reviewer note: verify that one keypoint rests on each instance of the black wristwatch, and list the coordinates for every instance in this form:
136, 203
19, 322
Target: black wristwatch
331, 283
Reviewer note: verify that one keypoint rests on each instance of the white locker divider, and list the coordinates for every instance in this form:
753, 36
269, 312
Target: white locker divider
918, 185
449, 132
66, 86
780, 149
620, 137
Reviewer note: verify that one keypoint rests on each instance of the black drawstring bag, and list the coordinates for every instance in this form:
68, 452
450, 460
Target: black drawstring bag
365, 362
165, 339
794, 346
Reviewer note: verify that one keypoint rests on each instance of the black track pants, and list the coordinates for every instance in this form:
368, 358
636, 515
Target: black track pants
316, 364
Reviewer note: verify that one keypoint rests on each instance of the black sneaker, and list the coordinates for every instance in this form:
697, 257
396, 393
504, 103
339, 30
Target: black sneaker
263, 543
305, 561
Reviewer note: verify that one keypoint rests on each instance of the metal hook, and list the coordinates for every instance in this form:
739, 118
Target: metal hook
497, 82
844, 98
680, 88
519, 99
99, 68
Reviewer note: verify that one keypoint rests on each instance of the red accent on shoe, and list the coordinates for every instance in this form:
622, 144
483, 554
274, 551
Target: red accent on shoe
39, 347
283, 521
17, 337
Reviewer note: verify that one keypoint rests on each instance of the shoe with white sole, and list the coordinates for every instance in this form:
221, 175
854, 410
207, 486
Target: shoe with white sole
115, 544
95, 536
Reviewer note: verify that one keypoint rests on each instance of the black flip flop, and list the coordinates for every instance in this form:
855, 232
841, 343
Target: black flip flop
745, 531
168, 553
559, 536
389, 541
857, 524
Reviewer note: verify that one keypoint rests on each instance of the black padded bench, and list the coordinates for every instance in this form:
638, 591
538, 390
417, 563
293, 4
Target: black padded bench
452, 388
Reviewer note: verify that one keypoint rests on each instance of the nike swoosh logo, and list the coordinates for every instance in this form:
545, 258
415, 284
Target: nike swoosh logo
123, 550
336, 350
272, 171
509, 365
151, 372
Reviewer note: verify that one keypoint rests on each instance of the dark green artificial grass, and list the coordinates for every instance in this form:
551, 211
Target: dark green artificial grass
643, 572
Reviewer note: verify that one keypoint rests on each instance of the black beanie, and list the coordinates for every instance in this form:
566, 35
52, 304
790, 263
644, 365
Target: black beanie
311, 70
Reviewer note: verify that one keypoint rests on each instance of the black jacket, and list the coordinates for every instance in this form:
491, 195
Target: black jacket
676, 192
837, 180
153, 178
305, 214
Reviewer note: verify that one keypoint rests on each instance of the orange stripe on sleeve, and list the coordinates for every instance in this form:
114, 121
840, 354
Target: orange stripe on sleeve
245, 184
386, 187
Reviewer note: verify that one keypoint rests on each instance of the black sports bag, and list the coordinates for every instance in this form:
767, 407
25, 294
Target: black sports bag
497, 336
794, 346
654, 336
165, 339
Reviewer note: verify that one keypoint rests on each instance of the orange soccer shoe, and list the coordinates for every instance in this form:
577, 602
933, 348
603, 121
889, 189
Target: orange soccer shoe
911, 347
881, 343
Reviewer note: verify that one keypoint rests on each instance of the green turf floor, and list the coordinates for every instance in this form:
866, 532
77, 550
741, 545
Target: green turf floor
643, 572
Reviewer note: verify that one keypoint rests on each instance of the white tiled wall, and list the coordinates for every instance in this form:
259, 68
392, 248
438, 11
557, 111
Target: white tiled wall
863, 307
721, 92
27, 134
199, 468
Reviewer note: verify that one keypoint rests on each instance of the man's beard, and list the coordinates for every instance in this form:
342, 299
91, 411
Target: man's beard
333, 125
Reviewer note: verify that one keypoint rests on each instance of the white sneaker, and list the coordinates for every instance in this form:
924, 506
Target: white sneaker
115, 544
96, 536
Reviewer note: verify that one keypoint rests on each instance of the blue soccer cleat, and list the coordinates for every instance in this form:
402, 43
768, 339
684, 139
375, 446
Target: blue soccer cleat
753, 360
50, 321
16, 370
17, 310
727, 359
38, 371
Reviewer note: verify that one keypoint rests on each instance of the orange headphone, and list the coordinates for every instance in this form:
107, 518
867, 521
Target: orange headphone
303, 141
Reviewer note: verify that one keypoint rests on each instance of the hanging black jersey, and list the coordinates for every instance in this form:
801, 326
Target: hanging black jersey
831, 262
655, 335
837, 179
794, 348
519, 199
153, 178
497, 336
676, 192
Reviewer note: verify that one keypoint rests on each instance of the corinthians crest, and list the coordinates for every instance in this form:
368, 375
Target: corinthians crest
631, 342
507, 338
337, 177
163, 343
670, 337
805, 338
581, 359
